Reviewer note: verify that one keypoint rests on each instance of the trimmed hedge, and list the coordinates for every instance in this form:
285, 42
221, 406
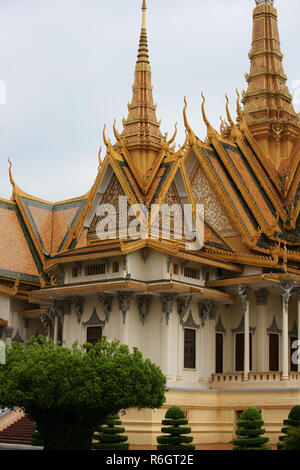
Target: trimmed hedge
292, 421
110, 436
249, 432
176, 432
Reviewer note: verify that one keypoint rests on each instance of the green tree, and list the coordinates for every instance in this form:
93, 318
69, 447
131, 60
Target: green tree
176, 438
110, 435
292, 421
292, 439
69, 392
249, 431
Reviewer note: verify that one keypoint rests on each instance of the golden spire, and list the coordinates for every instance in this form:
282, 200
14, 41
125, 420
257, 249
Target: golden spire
268, 107
141, 131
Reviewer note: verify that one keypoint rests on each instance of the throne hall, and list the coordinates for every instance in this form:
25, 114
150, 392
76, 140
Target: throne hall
222, 322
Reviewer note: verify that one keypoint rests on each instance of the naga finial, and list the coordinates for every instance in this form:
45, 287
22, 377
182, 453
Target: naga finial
211, 132
10, 173
227, 111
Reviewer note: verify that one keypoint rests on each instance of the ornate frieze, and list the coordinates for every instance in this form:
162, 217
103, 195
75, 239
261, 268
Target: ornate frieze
94, 320
124, 301
207, 310
17, 338
262, 296
167, 301
183, 305
273, 328
219, 326
143, 302
190, 323
241, 327
105, 301
244, 293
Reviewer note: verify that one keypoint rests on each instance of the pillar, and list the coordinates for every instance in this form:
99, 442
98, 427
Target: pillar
169, 339
55, 329
244, 293
262, 316
286, 290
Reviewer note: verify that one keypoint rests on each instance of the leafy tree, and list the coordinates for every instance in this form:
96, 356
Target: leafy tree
69, 392
292, 421
249, 432
292, 439
110, 435
37, 439
177, 438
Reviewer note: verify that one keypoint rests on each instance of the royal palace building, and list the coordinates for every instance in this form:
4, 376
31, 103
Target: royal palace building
222, 321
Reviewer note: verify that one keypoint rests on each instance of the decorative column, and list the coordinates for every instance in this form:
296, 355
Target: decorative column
244, 293
169, 336
298, 303
286, 293
124, 301
207, 311
262, 317
8, 332
183, 307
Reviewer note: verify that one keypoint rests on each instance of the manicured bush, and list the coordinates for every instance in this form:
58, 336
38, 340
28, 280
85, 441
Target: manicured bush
292, 439
292, 421
249, 431
176, 432
110, 435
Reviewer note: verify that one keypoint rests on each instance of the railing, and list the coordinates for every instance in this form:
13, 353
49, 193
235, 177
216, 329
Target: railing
255, 380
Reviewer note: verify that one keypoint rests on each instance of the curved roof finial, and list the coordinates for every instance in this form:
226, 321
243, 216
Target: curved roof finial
238, 105
192, 137
227, 111
12, 181
211, 132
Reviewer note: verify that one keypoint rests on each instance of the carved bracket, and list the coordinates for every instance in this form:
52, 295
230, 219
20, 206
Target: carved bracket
183, 305
78, 307
207, 309
244, 293
286, 288
124, 301
167, 301
105, 301
144, 302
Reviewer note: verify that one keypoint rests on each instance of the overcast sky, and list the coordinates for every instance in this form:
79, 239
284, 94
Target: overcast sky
68, 68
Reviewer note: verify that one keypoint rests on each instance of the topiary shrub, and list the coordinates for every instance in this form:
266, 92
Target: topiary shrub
176, 438
292, 439
292, 421
110, 436
249, 432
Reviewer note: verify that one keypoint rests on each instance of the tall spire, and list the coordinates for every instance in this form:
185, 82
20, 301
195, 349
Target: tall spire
268, 104
141, 128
